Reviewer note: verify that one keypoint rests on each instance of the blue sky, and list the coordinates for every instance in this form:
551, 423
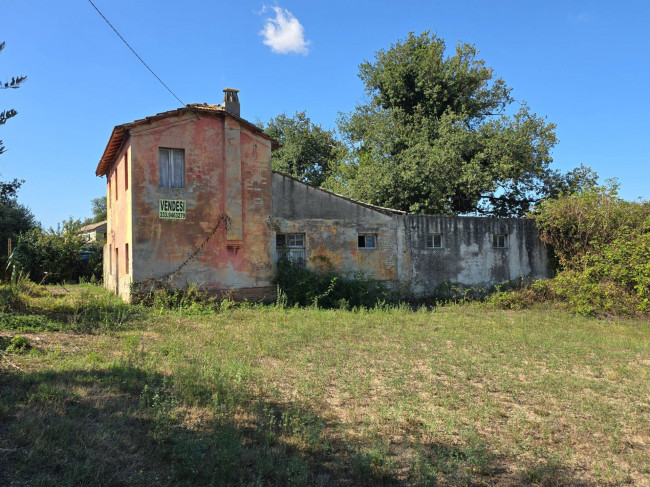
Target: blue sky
583, 65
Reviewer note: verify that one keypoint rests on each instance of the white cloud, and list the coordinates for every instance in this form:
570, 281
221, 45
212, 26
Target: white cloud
284, 33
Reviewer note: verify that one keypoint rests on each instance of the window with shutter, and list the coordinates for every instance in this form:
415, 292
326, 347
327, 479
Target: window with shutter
171, 168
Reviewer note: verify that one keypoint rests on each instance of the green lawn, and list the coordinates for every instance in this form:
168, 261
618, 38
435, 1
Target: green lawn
117, 395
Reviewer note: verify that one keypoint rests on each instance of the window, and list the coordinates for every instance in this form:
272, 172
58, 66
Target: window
367, 241
116, 193
291, 246
108, 198
117, 262
126, 172
434, 241
171, 168
499, 241
126, 258
110, 259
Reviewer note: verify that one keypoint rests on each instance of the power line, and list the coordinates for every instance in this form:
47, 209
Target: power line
135, 53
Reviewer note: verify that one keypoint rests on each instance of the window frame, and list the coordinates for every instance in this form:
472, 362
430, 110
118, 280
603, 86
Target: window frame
433, 245
364, 237
290, 248
495, 241
171, 173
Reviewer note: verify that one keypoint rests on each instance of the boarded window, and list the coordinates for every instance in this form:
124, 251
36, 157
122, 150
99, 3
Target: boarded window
171, 168
291, 246
110, 259
126, 258
499, 241
108, 198
367, 241
434, 241
126, 172
116, 185
117, 261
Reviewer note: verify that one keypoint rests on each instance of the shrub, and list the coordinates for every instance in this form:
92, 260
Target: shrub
323, 287
603, 248
18, 344
62, 254
161, 296
11, 299
577, 224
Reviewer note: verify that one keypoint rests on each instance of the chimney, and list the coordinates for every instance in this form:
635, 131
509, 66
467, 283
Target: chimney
231, 101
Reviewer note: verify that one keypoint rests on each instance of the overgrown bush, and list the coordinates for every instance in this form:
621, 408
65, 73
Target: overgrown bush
325, 288
580, 223
11, 299
191, 300
603, 248
61, 255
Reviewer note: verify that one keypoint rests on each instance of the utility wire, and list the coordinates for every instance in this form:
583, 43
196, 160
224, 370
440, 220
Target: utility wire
136, 54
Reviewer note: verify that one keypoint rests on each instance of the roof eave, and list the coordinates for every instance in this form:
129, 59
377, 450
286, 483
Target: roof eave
115, 142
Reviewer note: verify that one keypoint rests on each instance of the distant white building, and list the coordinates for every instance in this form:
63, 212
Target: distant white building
95, 232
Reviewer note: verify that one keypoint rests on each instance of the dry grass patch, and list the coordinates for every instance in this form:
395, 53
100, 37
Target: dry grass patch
259, 396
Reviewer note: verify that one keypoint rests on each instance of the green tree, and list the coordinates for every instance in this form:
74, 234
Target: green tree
8, 188
98, 209
60, 255
307, 152
438, 135
15, 219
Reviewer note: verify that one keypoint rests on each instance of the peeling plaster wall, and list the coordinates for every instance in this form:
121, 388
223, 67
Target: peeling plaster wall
467, 255
227, 171
118, 266
331, 225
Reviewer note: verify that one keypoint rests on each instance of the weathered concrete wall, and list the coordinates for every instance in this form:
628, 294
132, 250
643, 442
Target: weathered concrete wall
331, 225
467, 255
227, 172
118, 264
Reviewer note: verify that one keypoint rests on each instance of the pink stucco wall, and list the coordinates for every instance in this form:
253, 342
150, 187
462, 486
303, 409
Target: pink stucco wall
227, 172
118, 267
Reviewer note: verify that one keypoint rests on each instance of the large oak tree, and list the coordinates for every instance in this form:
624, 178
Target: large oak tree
438, 134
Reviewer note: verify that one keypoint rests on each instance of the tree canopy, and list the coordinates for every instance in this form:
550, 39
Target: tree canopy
8, 188
307, 152
439, 135
98, 208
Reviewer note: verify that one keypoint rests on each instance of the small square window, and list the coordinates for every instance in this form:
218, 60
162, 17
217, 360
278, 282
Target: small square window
434, 241
499, 241
367, 241
171, 168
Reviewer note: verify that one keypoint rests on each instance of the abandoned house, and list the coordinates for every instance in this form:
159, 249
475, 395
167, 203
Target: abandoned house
191, 198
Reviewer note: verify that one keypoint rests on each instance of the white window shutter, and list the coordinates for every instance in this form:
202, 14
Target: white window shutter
163, 168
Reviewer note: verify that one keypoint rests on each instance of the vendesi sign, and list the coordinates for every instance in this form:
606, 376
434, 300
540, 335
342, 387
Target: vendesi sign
171, 209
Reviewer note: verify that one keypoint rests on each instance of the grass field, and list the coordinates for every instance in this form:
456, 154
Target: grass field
111, 394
